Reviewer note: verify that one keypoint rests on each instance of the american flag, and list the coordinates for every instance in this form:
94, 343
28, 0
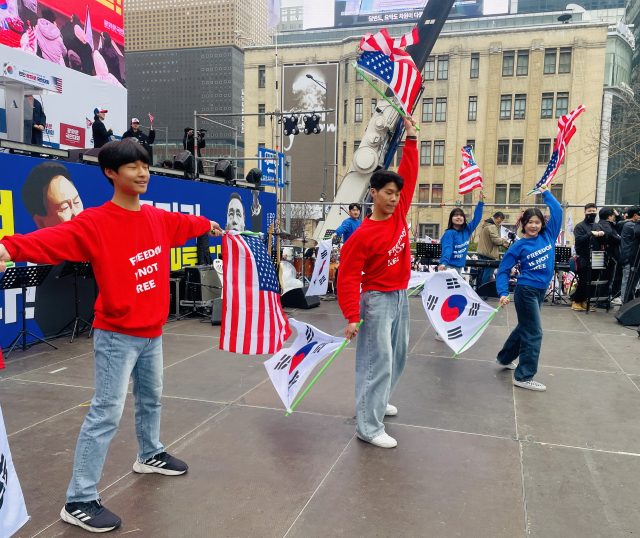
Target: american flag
253, 322
566, 129
89, 122
470, 175
384, 59
58, 82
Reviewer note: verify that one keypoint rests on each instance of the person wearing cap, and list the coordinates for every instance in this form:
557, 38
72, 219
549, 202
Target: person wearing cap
100, 133
188, 144
135, 132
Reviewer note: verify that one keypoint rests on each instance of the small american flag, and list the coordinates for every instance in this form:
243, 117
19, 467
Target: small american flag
253, 322
58, 82
384, 59
151, 118
89, 122
566, 129
470, 175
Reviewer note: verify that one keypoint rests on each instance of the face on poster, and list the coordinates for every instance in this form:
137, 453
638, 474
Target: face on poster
302, 93
84, 35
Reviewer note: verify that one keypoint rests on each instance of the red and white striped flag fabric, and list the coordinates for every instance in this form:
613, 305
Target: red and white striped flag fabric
151, 118
383, 58
470, 175
253, 322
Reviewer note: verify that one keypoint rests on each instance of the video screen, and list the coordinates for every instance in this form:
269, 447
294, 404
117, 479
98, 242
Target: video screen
83, 35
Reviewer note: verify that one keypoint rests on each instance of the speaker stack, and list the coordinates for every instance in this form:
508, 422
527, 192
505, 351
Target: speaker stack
629, 313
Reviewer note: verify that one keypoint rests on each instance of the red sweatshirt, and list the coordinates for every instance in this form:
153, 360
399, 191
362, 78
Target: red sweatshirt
129, 251
380, 249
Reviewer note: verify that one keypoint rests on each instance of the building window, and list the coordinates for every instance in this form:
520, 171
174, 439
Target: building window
427, 110
438, 153
441, 109
359, 105
344, 154
473, 108
356, 145
564, 65
517, 149
556, 190
503, 152
436, 193
346, 71
443, 68
423, 193
399, 153
519, 107
562, 104
505, 107
359, 76
547, 105
544, 150
514, 194
346, 109
429, 69
550, 62
472, 144
374, 105
523, 64
261, 119
501, 193
507, 64
429, 230
262, 77
425, 153
475, 66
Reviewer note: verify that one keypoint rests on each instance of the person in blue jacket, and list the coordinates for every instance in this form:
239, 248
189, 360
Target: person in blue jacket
535, 253
349, 225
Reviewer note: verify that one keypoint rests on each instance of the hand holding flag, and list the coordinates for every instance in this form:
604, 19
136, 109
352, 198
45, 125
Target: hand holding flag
151, 118
470, 175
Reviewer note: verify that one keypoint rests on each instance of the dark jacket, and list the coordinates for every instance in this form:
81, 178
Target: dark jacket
187, 143
620, 222
142, 138
613, 239
100, 133
583, 236
39, 118
630, 242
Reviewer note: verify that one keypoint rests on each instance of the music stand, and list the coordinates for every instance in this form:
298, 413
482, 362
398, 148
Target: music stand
563, 255
429, 250
76, 269
25, 277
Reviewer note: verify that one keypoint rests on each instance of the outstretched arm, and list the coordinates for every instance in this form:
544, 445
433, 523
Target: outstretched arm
555, 212
477, 215
408, 168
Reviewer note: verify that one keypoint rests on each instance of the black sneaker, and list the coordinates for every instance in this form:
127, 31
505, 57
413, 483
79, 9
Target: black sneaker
91, 516
162, 463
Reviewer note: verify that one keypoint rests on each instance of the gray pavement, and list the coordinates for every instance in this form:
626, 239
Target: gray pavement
476, 457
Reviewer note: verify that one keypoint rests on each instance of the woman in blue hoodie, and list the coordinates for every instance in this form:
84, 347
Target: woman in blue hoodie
535, 253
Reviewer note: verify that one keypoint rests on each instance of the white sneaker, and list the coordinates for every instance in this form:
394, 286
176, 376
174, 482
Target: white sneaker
391, 411
439, 338
510, 366
617, 301
531, 385
383, 440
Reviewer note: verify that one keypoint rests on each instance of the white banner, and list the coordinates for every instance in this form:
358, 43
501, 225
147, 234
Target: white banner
417, 278
454, 309
320, 278
570, 225
13, 511
31, 77
289, 368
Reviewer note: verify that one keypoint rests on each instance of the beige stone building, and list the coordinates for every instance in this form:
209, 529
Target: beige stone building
499, 90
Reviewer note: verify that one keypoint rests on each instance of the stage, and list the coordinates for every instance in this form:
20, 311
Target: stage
476, 457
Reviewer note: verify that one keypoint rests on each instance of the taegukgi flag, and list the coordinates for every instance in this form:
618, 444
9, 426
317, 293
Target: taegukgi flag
320, 278
454, 309
289, 368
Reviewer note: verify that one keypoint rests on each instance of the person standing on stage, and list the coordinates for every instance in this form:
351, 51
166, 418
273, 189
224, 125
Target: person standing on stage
100, 133
488, 244
588, 236
380, 248
128, 245
349, 225
535, 252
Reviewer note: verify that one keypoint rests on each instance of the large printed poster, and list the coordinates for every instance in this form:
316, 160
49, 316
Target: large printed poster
38, 193
84, 35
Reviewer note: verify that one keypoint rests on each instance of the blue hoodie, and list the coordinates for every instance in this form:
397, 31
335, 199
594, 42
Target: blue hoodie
455, 244
347, 228
536, 255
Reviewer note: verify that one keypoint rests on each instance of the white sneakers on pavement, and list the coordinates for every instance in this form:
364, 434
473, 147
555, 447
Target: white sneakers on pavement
510, 366
391, 411
531, 385
617, 301
383, 441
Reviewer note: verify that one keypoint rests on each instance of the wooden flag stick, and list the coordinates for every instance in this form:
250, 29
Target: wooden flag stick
323, 369
381, 93
474, 334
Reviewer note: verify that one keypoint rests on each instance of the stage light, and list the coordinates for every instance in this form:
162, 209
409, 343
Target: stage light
182, 161
290, 125
36, 151
224, 169
311, 124
254, 176
166, 172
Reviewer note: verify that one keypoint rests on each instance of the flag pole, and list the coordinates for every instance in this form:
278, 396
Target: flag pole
410, 294
323, 369
381, 93
482, 327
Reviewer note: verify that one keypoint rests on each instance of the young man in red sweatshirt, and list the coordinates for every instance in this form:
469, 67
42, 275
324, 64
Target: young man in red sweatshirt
379, 248
128, 245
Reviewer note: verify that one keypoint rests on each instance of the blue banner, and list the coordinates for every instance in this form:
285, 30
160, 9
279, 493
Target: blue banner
268, 168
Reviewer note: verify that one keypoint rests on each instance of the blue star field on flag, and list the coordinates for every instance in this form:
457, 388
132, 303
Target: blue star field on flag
377, 64
266, 273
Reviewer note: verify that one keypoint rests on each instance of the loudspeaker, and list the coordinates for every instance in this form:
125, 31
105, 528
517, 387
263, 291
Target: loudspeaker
629, 313
488, 289
204, 254
174, 296
182, 161
202, 283
296, 299
216, 313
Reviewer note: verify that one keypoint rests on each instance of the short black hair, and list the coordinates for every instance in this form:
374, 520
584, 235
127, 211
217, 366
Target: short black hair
632, 211
48, 14
498, 215
37, 183
187, 129
168, 163
113, 155
380, 178
533, 212
605, 213
590, 205
235, 196
454, 212
354, 206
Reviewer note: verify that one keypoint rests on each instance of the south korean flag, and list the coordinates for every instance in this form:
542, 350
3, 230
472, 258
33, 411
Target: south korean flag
320, 277
455, 310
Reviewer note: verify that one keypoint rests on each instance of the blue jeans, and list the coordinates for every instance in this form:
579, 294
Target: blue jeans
118, 357
525, 340
381, 354
485, 273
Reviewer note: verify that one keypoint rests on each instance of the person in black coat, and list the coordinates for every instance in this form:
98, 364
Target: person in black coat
100, 133
188, 144
613, 272
629, 247
135, 132
34, 128
587, 234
